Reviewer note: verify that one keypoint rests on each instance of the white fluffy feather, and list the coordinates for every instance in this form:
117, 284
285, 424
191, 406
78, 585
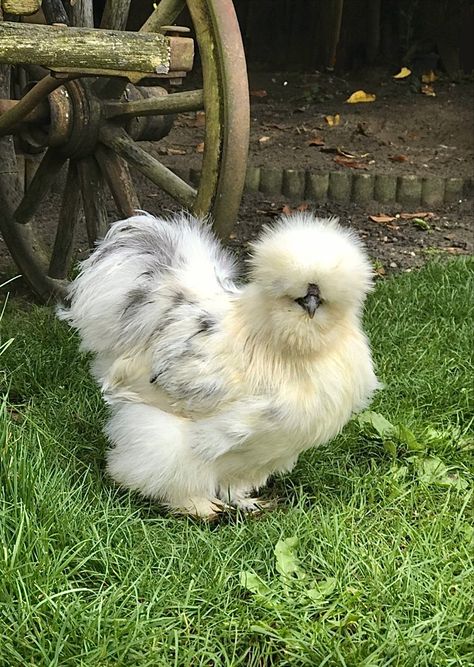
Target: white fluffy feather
214, 386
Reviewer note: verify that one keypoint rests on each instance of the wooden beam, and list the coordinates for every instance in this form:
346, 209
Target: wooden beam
20, 7
111, 50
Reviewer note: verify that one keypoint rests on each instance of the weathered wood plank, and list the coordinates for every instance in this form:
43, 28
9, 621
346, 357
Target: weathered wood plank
52, 46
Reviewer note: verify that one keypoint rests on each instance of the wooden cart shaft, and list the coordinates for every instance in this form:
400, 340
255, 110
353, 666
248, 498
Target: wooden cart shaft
107, 51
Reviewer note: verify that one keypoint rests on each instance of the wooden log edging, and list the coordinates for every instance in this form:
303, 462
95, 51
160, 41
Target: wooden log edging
357, 187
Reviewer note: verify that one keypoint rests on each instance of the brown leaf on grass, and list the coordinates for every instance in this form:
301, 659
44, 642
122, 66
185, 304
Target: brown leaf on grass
200, 147
429, 215
316, 141
347, 162
398, 158
258, 93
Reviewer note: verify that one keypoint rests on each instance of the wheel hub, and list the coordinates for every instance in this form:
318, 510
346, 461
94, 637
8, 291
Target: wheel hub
74, 117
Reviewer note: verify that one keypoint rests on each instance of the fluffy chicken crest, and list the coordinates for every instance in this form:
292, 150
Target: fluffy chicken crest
214, 385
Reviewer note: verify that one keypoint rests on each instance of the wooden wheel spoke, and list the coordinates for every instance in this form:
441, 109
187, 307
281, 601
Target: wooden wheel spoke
40, 184
69, 215
54, 12
115, 14
165, 14
167, 104
118, 178
123, 145
82, 14
93, 199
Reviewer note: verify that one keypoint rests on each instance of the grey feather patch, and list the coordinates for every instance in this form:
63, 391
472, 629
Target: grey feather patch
204, 324
134, 300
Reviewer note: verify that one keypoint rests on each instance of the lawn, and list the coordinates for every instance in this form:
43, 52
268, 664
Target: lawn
367, 561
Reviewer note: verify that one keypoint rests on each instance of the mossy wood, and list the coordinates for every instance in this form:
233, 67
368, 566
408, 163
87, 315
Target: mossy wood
20, 7
82, 48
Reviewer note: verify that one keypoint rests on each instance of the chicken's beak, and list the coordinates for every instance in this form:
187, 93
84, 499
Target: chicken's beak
311, 301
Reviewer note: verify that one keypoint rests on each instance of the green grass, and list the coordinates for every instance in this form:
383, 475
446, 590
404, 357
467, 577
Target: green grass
382, 573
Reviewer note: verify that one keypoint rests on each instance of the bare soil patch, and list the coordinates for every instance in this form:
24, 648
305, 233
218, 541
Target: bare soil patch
435, 134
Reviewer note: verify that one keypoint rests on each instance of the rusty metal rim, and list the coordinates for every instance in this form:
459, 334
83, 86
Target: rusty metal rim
235, 114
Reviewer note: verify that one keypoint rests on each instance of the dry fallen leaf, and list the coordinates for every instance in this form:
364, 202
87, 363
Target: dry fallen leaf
382, 218
200, 147
428, 77
419, 214
360, 96
303, 206
287, 210
348, 162
316, 141
263, 140
258, 93
175, 151
332, 121
199, 119
398, 158
403, 73
352, 156
427, 89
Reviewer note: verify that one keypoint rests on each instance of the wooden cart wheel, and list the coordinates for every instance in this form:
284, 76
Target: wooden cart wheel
90, 126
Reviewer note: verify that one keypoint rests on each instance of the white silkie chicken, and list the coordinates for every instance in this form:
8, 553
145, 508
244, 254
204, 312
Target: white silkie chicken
214, 386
